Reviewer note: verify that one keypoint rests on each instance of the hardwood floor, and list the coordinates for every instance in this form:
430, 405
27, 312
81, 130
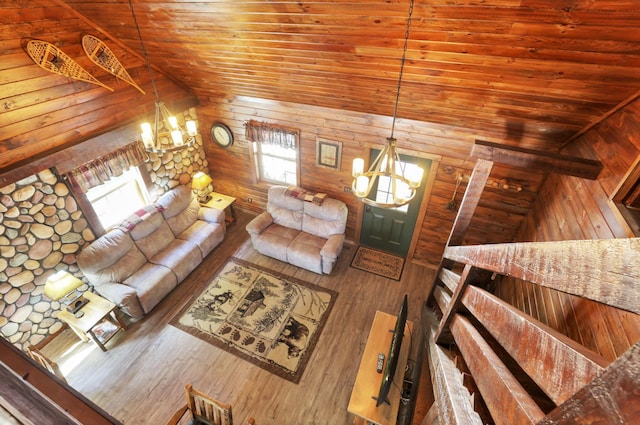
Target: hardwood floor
141, 379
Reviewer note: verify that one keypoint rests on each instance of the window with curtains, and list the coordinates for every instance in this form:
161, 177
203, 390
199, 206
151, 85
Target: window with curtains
119, 197
112, 185
275, 152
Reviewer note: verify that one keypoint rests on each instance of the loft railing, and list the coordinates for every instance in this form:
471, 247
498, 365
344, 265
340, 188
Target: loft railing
492, 363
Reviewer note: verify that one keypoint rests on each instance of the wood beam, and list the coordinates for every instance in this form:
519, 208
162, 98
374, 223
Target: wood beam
610, 398
508, 402
452, 399
532, 159
443, 336
602, 270
470, 201
559, 365
602, 118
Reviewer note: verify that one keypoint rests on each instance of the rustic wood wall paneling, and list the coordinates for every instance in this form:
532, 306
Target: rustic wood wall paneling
572, 208
531, 72
43, 112
232, 168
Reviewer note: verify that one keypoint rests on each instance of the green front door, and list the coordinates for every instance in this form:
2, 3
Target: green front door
391, 229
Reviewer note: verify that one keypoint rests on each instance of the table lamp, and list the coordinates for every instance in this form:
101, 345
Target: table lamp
60, 285
200, 185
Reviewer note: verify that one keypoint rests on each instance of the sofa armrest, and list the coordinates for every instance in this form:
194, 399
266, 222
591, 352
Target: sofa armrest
332, 247
211, 215
258, 224
125, 297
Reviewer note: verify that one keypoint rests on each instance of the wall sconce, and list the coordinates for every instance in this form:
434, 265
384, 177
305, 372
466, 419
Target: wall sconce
200, 185
60, 285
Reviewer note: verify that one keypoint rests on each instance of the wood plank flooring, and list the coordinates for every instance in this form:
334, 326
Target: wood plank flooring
141, 379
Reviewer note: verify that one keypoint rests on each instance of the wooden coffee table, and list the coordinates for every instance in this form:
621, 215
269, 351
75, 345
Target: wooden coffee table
97, 320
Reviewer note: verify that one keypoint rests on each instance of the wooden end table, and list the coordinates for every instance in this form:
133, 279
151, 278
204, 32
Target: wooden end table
98, 321
222, 202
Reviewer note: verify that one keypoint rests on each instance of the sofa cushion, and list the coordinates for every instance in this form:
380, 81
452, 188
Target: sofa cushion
274, 241
179, 256
304, 251
152, 283
152, 234
112, 257
204, 234
180, 208
325, 220
285, 210
175, 200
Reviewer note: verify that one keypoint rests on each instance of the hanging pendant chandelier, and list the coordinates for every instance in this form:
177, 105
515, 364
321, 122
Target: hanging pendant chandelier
167, 133
395, 181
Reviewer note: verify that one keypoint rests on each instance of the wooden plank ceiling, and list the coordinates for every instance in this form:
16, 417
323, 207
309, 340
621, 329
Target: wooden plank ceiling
530, 73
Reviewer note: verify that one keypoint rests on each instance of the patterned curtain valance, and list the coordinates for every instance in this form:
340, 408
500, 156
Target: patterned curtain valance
272, 134
113, 164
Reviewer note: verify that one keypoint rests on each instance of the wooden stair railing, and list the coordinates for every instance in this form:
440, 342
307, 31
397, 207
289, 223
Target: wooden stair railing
526, 372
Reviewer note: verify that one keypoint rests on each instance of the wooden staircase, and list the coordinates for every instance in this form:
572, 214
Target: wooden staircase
490, 363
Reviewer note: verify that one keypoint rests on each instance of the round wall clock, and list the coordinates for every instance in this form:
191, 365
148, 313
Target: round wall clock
221, 134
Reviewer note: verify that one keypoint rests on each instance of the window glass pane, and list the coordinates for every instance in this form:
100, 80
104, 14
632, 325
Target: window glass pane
276, 164
118, 198
383, 192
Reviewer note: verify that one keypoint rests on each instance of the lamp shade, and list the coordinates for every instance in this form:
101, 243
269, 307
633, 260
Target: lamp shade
200, 181
60, 284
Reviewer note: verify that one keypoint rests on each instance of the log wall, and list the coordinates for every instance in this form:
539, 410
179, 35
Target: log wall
571, 208
501, 211
43, 112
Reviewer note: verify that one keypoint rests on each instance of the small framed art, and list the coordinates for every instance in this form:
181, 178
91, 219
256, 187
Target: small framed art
328, 153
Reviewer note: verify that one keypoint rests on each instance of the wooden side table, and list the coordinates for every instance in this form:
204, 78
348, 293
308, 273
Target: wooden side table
222, 202
98, 320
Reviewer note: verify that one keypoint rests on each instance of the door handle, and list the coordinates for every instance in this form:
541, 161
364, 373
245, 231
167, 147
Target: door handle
367, 208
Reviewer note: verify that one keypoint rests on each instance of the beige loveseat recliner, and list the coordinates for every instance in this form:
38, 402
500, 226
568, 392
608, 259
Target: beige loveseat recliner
138, 263
301, 233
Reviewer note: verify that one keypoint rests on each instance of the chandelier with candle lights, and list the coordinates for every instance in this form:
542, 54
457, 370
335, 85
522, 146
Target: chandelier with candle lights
395, 181
167, 133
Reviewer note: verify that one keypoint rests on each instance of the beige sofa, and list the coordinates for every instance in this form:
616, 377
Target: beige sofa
299, 232
138, 263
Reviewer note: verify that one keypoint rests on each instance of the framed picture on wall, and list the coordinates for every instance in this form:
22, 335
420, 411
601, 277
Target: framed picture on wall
328, 153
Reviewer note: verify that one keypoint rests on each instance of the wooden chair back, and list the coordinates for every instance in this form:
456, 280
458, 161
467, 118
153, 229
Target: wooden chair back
206, 409
45, 362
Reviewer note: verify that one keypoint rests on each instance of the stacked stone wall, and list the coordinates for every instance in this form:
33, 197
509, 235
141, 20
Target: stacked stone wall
170, 169
42, 229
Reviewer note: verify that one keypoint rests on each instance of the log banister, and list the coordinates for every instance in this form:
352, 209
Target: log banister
507, 400
534, 368
558, 365
452, 399
609, 266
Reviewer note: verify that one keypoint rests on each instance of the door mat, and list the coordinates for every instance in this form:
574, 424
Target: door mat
378, 262
265, 317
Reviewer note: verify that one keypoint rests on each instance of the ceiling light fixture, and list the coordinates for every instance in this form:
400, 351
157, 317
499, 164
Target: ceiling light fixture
167, 134
398, 179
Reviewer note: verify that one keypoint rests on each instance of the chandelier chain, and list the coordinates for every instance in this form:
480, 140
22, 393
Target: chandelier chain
402, 61
144, 50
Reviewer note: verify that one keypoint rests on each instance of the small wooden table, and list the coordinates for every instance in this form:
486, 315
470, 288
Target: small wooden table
98, 321
367, 384
222, 202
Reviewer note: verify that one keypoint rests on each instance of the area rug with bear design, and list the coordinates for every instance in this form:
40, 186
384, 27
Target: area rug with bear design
262, 316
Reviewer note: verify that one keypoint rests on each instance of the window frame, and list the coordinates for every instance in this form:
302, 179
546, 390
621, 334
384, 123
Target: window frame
116, 184
87, 208
258, 166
